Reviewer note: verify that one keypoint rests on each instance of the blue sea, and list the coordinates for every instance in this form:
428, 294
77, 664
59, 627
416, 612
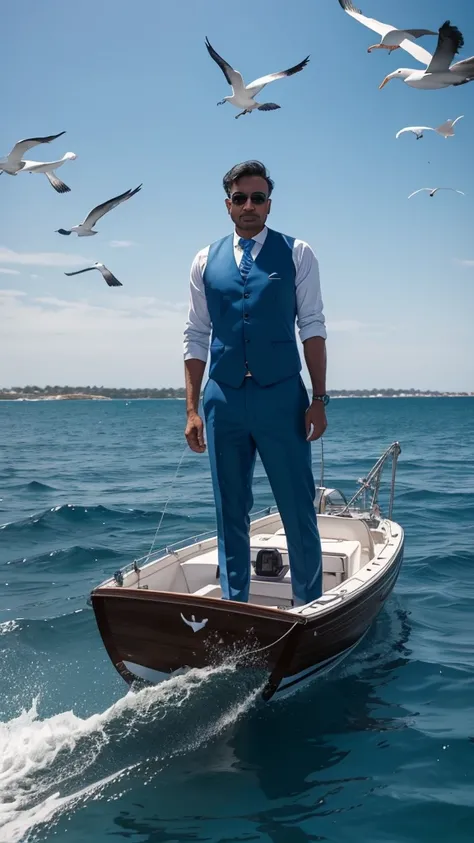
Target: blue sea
381, 750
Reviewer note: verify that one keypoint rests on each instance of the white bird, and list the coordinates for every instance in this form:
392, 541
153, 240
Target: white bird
243, 95
446, 129
13, 163
193, 623
392, 38
84, 229
48, 168
433, 190
111, 280
439, 73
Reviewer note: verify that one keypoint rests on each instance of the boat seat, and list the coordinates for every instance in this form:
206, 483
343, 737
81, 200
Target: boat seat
200, 570
340, 556
347, 529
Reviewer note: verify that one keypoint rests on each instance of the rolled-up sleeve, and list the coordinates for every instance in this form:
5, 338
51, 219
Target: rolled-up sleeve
198, 325
309, 303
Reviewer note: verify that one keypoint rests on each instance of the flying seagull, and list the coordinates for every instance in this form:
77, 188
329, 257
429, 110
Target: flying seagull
439, 73
392, 38
111, 280
433, 190
13, 162
446, 129
243, 95
84, 229
48, 168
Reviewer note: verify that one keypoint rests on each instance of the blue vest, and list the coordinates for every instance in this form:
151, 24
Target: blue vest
253, 321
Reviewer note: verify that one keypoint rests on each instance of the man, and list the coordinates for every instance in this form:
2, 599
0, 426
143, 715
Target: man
246, 292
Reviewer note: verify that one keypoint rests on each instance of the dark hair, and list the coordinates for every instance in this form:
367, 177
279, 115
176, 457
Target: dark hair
247, 168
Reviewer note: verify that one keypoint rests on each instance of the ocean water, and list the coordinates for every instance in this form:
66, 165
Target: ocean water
380, 751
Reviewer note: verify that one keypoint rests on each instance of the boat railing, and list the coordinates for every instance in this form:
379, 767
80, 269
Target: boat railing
182, 543
370, 485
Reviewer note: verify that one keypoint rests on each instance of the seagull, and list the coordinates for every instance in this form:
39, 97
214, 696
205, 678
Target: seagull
13, 162
84, 229
392, 38
439, 73
48, 168
446, 129
433, 190
243, 95
193, 623
111, 280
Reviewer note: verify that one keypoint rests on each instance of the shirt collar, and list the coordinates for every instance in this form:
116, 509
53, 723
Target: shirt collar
259, 238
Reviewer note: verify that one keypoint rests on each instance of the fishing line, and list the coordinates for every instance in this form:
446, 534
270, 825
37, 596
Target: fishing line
186, 447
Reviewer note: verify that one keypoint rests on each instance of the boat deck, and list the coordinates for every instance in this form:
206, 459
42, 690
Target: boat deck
348, 545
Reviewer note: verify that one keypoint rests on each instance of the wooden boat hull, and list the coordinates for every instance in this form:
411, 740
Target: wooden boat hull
152, 634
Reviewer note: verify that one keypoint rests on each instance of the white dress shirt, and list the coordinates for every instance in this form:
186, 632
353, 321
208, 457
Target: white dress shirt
309, 303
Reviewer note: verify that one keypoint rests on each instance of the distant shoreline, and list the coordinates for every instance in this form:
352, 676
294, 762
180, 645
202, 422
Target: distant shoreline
105, 394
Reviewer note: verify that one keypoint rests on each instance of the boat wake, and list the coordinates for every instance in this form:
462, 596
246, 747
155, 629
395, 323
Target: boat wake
47, 766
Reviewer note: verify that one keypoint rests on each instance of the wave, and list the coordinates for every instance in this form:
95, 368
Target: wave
76, 515
424, 495
39, 756
77, 556
8, 626
37, 486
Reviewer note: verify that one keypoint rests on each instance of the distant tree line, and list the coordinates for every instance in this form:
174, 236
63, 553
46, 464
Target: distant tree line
30, 391
105, 391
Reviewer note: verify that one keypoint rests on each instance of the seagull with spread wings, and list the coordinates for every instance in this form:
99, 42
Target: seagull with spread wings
243, 95
392, 38
13, 162
84, 229
439, 73
48, 168
111, 280
446, 129
433, 190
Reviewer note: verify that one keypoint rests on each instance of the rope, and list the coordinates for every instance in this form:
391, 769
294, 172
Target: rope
267, 646
166, 505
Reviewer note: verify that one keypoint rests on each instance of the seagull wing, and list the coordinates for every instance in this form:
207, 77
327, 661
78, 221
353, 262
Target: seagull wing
80, 271
415, 129
447, 126
111, 280
418, 33
58, 185
233, 77
429, 189
450, 41
23, 146
418, 53
105, 207
257, 85
465, 66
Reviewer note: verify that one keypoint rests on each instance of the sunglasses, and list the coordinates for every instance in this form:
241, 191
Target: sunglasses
258, 198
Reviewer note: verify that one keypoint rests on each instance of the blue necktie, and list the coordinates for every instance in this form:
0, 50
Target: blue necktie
247, 261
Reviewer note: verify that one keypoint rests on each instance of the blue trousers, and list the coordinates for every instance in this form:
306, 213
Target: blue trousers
270, 420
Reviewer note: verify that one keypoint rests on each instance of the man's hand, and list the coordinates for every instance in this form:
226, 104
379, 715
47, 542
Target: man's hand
194, 433
315, 417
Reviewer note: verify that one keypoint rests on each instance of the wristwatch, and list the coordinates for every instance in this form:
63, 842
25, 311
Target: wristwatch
324, 398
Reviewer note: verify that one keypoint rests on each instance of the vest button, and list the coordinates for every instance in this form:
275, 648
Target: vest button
247, 340
246, 316
246, 295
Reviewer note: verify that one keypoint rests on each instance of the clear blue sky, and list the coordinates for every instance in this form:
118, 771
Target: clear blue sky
136, 91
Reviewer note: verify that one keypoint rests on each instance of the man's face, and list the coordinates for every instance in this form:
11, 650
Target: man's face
249, 204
